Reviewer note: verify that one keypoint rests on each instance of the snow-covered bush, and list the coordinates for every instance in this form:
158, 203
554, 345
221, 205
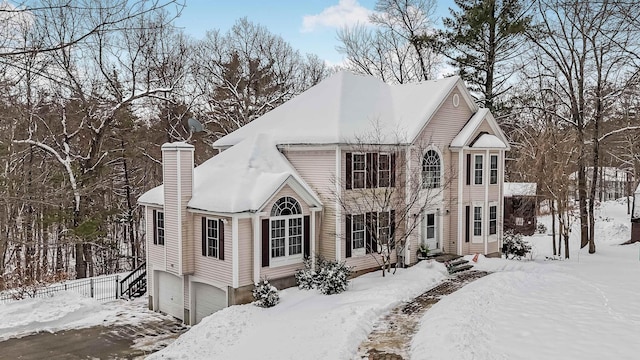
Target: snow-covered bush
307, 276
514, 245
541, 228
265, 294
333, 277
330, 277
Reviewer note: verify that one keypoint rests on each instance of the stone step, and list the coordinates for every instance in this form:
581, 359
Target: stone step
457, 269
457, 262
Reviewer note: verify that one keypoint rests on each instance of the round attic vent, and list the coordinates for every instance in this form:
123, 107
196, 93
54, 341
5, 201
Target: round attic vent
456, 100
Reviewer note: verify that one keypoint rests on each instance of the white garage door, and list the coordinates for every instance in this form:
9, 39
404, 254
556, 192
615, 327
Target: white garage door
207, 300
170, 294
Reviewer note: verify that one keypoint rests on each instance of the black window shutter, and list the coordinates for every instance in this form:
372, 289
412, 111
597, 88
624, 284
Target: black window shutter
467, 214
307, 236
347, 229
155, 227
392, 229
374, 173
204, 236
374, 231
392, 159
265, 242
468, 169
368, 234
348, 169
220, 240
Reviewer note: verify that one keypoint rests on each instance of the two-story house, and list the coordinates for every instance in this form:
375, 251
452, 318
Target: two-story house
281, 187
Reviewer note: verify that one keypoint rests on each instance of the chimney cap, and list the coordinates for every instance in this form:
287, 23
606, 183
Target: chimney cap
178, 145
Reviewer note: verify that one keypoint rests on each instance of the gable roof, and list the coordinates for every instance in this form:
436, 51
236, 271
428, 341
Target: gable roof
241, 179
465, 136
346, 107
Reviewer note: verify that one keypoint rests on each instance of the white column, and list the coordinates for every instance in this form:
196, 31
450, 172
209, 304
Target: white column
339, 182
485, 217
461, 176
312, 251
257, 254
235, 262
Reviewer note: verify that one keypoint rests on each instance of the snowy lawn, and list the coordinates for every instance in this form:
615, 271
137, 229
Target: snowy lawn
305, 324
587, 307
69, 310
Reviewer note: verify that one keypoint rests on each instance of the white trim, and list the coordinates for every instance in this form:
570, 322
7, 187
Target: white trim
455, 99
407, 246
501, 201
485, 234
494, 237
286, 259
179, 182
497, 155
337, 204
257, 244
440, 155
312, 241
206, 236
460, 194
235, 262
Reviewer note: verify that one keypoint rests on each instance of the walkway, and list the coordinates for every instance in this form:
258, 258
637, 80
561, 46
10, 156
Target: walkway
391, 336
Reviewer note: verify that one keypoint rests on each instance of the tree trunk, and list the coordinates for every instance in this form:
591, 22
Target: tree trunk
553, 227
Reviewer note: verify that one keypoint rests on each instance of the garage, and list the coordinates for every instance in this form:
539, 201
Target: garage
170, 297
207, 300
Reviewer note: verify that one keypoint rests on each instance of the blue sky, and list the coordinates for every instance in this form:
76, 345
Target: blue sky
308, 25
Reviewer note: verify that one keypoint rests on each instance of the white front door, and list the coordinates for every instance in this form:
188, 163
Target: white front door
431, 232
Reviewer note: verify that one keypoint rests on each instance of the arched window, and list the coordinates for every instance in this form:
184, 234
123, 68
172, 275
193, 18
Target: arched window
431, 170
286, 206
286, 228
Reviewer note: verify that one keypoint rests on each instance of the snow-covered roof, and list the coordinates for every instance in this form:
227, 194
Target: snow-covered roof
346, 107
240, 179
519, 189
488, 141
465, 135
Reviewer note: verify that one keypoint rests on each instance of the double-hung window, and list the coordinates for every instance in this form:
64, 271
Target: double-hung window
286, 234
477, 169
477, 221
359, 166
213, 238
358, 234
493, 169
384, 227
158, 238
384, 170
493, 220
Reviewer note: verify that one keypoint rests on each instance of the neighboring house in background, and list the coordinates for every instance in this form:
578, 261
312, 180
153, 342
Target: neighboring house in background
520, 207
271, 196
613, 183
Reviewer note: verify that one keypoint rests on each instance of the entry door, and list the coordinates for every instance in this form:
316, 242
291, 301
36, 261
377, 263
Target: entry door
430, 232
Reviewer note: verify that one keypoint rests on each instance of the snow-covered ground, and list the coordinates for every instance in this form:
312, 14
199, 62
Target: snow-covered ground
586, 307
69, 310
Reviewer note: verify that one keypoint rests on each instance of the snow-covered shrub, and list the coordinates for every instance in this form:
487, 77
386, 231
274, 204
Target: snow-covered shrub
330, 277
541, 228
514, 245
307, 276
265, 294
333, 277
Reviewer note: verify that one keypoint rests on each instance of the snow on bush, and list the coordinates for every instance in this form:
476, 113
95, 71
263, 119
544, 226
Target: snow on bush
307, 276
514, 245
541, 228
330, 277
265, 294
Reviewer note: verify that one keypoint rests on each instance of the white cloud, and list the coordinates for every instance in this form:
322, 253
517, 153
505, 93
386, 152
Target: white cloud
346, 13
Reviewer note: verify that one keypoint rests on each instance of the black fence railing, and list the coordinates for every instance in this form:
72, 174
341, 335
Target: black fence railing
134, 284
102, 288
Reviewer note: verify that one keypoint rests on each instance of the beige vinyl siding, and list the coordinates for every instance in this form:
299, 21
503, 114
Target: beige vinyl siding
186, 184
211, 270
286, 191
171, 205
245, 252
439, 132
155, 253
280, 271
317, 168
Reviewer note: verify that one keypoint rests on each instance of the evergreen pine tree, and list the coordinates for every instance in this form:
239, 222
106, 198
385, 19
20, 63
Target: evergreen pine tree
480, 37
